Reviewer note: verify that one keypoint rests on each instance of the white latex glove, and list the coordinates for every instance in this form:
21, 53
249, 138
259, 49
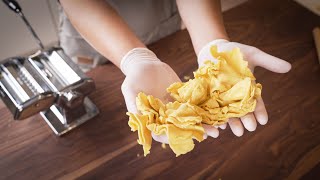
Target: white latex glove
146, 73
255, 57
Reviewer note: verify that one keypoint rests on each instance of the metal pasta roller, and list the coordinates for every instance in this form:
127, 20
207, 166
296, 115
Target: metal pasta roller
48, 83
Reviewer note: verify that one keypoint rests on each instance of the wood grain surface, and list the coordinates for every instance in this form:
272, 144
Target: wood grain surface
288, 147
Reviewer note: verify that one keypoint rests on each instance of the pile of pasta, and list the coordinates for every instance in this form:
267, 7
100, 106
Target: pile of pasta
219, 91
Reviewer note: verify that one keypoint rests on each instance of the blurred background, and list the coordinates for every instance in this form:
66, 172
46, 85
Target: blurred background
43, 15
15, 39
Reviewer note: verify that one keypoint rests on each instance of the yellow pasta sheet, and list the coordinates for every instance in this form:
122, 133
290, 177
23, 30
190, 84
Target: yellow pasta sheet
218, 91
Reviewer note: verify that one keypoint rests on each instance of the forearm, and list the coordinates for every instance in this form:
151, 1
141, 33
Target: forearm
203, 20
102, 27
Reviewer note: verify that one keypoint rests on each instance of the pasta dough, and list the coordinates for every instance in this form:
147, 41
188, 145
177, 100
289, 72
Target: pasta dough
218, 92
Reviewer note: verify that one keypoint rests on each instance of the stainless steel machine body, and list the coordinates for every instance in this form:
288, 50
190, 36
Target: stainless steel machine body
49, 83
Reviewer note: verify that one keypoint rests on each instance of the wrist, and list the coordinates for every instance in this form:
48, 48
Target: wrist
201, 40
135, 56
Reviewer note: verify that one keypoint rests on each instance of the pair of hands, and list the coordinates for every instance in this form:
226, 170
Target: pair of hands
146, 73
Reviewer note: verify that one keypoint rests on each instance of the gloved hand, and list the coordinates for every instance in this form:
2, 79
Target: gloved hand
255, 57
146, 73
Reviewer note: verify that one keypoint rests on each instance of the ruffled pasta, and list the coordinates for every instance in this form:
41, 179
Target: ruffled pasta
218, 92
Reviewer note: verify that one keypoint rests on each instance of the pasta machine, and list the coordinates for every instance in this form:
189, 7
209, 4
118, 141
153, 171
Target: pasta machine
47, 82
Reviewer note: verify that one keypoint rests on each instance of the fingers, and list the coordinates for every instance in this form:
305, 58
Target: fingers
131, 105
160, 138
258, 57
211, 130
249, 122
129, 97
260, 112
223, 126
267, 61
236, 126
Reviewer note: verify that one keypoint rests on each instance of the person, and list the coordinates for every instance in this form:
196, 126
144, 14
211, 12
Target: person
119, 30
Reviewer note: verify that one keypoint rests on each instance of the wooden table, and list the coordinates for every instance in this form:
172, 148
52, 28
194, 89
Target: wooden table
287, 147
